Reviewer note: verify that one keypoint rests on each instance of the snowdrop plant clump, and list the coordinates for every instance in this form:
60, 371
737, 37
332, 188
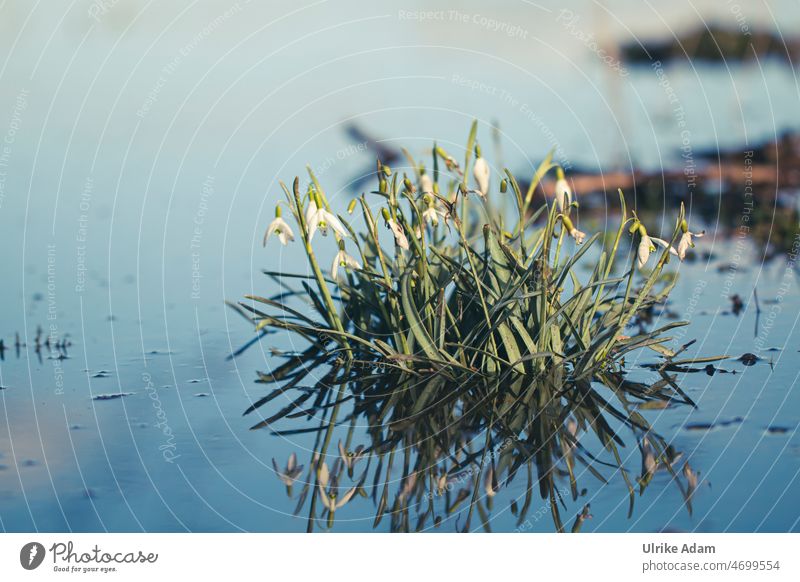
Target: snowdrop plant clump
451, 297
464, 287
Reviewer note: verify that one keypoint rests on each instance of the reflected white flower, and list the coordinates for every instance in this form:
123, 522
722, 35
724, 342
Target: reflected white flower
586, 513
399, 235
350, 458
290, 473
441, 482
691, 477
482, 172
648, 460
692, 481
686, 242
280, 228
342, 259
330, 499
320, 219
563, 194
572, 427
408, 486
489, 483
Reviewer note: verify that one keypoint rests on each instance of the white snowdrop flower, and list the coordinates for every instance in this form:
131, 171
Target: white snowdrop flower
643, 252
664, 244
686, 242
647, 246
577, 235
430, 216
482, 172
573, 232
399, 235
320, 219
433, 212
342, 259
281, 229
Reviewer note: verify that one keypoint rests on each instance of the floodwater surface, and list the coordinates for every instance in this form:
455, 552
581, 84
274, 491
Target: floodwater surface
139, 171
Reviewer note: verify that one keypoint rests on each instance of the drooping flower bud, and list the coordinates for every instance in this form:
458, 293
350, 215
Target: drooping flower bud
481, 172
563, 192
426, 184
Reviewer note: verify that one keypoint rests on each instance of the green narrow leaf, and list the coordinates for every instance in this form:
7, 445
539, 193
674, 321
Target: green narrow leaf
510, 344
415, 324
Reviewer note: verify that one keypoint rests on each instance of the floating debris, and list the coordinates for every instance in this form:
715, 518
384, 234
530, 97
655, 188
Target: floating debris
737, 305
684, 365
726, 267
654, 405
706, 426
713, 43
112, 396
777, 429
749, 359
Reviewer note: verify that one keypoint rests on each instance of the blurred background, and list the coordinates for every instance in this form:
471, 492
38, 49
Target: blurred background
142, 144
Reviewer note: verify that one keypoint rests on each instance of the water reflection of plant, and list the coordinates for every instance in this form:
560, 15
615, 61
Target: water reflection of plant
463, 349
